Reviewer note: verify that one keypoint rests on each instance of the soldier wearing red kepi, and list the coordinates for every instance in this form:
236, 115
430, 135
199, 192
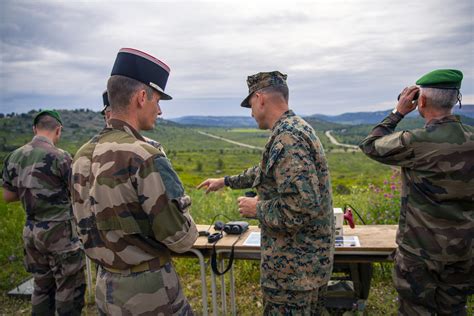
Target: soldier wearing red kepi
129, 203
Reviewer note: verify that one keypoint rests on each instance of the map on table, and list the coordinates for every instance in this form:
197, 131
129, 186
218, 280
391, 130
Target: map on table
347, 241
253, 240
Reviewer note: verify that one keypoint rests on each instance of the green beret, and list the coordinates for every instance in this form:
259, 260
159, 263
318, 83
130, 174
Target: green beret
441, 79
263, 80
51, 113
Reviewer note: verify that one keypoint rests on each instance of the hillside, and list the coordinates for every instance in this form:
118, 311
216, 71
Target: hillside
355, 118
353, 134
79, 126
217, 121
245, 122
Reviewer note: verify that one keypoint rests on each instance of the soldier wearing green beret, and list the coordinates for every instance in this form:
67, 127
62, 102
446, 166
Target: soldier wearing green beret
294, 203
37, 174
434, 270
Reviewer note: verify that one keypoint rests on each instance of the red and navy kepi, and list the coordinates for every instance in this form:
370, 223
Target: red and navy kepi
145, 68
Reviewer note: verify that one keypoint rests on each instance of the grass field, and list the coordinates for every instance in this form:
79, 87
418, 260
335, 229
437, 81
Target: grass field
372, 188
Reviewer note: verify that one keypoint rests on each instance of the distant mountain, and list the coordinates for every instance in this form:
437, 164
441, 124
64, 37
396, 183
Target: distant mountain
353, 118
217, 121
244, 121
321, 125
356, 118
466, 110
318, 121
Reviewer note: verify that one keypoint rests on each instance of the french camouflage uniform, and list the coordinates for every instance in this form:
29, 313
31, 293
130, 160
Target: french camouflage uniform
296, 218
434, 269
38, 173
131, 212
154, 143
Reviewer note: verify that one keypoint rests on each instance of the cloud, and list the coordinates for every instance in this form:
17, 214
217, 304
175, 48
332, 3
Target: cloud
339, 55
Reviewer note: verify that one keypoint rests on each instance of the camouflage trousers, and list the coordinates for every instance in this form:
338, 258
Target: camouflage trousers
427, 287
53, 256
146, 293
283, 302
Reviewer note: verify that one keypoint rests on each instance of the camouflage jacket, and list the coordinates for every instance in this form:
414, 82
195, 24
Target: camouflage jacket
150, 141
437, 164
38, 173
128, 202
294, 208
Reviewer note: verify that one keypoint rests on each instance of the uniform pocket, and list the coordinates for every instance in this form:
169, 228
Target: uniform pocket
413, 280
70, 263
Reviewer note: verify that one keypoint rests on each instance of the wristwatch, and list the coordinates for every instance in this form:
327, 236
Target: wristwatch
226, 181
395, 111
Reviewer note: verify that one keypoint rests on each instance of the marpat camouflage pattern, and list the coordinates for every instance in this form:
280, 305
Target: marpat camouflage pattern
294, 209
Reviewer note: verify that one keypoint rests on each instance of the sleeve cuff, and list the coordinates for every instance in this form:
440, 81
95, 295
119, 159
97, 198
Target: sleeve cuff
397, 114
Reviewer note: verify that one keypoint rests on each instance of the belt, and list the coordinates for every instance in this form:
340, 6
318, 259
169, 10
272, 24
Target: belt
142, 267
152, 265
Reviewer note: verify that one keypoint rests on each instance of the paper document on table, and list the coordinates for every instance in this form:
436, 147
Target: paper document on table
347, 241
253, 239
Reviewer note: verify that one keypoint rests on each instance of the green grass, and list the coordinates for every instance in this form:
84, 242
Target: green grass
368, 186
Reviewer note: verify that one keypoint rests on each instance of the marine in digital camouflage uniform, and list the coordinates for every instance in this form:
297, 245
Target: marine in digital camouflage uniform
294, 204
37, 174
129, 203
434, 271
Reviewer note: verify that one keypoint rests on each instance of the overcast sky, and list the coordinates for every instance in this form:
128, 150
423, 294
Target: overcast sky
340, 56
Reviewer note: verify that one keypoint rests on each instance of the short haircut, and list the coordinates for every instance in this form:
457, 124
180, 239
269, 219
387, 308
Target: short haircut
280, 89
47, 123
442, 99
121, 89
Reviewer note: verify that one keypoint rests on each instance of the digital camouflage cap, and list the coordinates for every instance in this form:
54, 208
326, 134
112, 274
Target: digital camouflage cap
263, 80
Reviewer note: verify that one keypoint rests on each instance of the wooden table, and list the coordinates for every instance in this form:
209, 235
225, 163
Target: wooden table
373, 239
377, 242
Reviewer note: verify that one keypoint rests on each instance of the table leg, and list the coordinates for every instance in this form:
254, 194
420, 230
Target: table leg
214, 293
232, 291
223, 288
202, 265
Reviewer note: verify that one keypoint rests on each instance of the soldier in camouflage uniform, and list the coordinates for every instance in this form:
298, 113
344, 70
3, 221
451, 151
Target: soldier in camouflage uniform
107, 113
37, 174
294, 203
129, 203
434, 269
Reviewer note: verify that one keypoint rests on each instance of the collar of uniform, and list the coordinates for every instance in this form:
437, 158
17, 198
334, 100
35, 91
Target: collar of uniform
284, 116
43, 139
446, 119
124, 126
